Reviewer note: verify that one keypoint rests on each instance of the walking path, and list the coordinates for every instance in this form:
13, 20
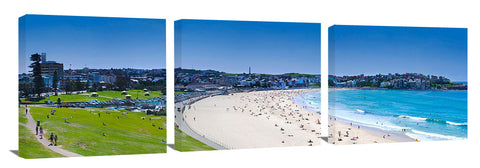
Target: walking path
182, 125
44, 141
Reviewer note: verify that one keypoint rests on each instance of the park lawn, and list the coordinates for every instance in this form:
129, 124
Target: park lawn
29, 147
118, 94
185, 143
178, 92
129, 134
68, 98
22, 118
102, 96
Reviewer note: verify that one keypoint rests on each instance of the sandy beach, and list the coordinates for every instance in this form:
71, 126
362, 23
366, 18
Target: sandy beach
265, 119
254, 119
344, 132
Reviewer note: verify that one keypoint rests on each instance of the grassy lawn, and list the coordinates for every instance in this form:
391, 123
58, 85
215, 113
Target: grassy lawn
29, 147
102, 96
186, 143
68, 98
133, 93
127, 134
178, 92
22, 118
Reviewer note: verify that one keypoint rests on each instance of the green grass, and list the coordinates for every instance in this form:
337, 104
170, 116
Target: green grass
178, 92
186, 143
22, 118
102, 96
133, 93
29, 147
299, 75
68, 98
129, 134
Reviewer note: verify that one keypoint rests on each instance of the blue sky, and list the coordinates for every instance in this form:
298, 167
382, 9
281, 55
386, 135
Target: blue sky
380, 49
95, 42
233, 46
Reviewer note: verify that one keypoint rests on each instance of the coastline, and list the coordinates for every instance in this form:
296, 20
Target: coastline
271, 119
377, 88
255, 120
415, 134
366, 135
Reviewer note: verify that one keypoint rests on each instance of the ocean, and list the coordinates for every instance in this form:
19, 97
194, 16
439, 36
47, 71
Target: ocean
423, 115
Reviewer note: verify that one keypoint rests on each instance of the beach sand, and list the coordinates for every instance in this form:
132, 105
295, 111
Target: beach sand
365, 135
351, 133
263, 119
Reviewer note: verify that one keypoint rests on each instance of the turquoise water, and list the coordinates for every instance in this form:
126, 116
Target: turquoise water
425, 115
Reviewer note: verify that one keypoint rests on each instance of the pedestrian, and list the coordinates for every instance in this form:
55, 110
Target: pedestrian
41, 132
55, 138
51, 139
26, 111
38, 123
36, 130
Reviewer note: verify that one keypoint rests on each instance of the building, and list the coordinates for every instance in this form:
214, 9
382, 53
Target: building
48, 68
44, 57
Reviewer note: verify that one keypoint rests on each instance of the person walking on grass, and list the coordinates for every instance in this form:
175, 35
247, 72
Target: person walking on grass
51, 139
26, 111
55, 139
36, 130
41, 132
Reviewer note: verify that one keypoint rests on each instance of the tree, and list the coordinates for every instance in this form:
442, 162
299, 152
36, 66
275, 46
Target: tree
55, 81
78, 85
68, 86
37, 73
122, 82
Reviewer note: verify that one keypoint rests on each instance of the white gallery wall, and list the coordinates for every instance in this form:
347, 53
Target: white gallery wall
403, 13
